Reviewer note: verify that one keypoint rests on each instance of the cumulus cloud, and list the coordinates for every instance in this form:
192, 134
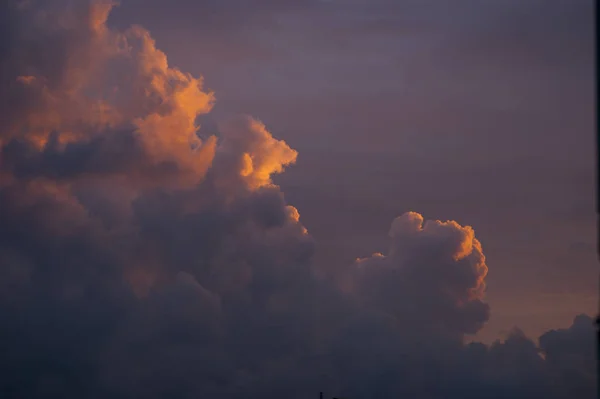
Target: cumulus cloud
139, 258
433, 275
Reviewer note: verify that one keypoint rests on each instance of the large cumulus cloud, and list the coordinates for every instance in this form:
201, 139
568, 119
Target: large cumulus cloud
433, 274
140, 258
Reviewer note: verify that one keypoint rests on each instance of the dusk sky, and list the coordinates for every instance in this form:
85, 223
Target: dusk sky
261, 198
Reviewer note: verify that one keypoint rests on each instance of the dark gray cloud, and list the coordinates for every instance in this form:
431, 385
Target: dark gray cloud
432, 277
139, 258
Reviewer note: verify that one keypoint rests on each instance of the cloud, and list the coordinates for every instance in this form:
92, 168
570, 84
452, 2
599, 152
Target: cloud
433, 274
140, 258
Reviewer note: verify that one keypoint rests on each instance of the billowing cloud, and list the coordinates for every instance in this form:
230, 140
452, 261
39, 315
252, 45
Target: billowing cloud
139, 258
433, 275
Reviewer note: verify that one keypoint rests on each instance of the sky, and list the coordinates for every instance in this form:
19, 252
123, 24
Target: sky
263, 198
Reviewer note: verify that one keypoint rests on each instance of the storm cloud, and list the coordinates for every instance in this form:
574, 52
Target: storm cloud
140, 257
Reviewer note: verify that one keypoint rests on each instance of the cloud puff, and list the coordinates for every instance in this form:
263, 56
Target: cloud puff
80, 92
138, 259
433, 276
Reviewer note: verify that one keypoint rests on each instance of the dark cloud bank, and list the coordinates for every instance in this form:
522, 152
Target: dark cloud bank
139, 258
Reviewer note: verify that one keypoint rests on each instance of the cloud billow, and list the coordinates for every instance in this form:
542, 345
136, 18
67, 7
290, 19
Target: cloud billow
138, 259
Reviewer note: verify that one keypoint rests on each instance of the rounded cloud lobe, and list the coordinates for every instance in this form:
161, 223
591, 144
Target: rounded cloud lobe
433, 275
139, 258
